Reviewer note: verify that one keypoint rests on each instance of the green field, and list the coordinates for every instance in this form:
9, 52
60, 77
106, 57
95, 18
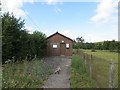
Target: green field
103, 54
27, 74
79, 76
101, 66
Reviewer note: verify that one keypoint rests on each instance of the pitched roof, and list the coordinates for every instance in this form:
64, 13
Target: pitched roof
60, 35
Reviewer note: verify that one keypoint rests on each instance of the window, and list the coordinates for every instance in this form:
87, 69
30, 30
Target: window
55, 46
62, 41
67, 45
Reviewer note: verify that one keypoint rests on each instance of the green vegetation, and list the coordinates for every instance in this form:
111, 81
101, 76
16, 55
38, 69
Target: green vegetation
100, 65
27, 74
113, 46
103, 65
79, 76
17, 42
107, 55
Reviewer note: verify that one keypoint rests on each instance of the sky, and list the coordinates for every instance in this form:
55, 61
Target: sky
94, 20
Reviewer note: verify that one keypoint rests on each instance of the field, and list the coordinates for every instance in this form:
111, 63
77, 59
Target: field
79, 76
107, 55
100, 64
27, 74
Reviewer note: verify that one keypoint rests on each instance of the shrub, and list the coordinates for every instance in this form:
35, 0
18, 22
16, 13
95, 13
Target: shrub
93, 50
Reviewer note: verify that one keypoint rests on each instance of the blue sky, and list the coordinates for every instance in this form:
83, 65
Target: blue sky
94, 21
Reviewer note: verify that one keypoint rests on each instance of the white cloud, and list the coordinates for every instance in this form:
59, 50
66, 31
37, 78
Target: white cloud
108, 31
58, 10
53, 2
14, 6
105, 10
99, 38
105, 26
65, 32
30, 29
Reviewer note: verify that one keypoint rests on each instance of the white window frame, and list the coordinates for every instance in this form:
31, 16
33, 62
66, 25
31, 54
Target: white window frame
67, 45
55, 46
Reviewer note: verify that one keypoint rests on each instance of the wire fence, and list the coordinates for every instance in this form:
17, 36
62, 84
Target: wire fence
104, 72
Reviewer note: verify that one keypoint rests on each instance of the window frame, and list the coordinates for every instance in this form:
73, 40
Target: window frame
54, 46
67, 45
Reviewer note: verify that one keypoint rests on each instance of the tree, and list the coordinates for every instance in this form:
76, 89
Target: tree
24, 46
99, 45
80, 41
106, 45
17, 42
11, 27
40, 43
112, 45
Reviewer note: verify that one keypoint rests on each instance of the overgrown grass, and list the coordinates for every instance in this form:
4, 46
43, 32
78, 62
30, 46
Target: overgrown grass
101, 66
25, 74
79, 76
103, 54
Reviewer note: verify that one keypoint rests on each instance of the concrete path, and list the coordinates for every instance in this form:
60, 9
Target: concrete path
61, 80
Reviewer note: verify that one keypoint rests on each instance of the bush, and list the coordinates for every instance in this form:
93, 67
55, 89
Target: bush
17, 42
93, 50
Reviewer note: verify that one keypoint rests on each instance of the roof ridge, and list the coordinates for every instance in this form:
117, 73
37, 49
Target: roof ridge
59, 34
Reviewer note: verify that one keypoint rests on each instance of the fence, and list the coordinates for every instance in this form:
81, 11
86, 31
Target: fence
104, 72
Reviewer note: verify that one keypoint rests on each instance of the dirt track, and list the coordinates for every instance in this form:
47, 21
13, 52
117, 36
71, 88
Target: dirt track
61, 80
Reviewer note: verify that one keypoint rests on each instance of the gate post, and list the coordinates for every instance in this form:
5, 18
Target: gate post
90, 66
111, 74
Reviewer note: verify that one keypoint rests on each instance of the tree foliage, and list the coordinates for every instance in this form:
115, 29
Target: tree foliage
17, 42
105, 45
79, 43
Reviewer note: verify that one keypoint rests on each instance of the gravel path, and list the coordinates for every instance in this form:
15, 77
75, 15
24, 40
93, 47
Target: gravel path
61, 80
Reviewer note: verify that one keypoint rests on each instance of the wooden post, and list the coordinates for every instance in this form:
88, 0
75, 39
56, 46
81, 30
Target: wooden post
111, 75
35, 57
85, 60
82, 56
90, 66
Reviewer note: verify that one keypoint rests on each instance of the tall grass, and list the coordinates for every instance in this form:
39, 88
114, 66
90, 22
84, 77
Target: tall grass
27, 74
100, 65
79, 76
103, 54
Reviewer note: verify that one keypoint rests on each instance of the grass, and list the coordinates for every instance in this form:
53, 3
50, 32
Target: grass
25, 74
79, 76
103, 54
101, 66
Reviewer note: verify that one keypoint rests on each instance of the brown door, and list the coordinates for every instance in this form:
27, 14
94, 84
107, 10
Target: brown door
62, 49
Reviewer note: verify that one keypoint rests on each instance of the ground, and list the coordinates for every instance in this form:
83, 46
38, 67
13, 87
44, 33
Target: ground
61, 80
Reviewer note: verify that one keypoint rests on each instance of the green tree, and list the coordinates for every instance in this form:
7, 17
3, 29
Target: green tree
40, 43
112, 45
11, 27
99, 45
106, 45
80, 41
24, 46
